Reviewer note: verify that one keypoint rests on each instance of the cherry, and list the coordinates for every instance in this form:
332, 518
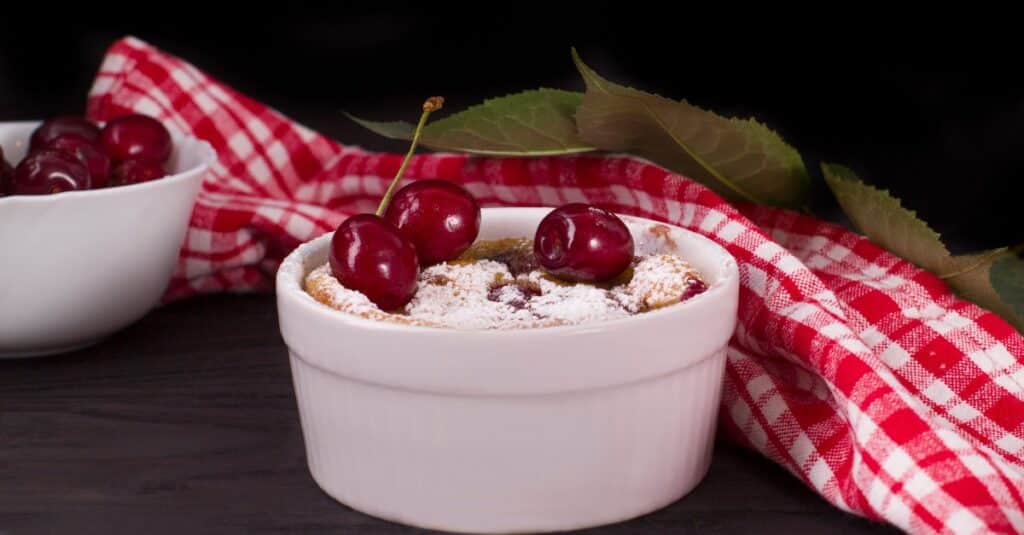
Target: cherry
369, 255
580, 242
49, 171
694, 288
6, 171
57, 126
88, 152
441, 219
135, 172
136, 137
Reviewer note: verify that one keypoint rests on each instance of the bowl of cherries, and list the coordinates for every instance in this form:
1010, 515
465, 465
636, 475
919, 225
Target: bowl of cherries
506, 370
92, 218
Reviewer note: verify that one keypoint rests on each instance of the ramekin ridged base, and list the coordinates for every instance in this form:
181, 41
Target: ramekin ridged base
509, 463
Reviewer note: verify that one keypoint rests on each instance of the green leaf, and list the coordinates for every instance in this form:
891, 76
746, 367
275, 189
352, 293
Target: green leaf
389, 129
973, 279
882, 218
1007, 277
739, 158
532, 123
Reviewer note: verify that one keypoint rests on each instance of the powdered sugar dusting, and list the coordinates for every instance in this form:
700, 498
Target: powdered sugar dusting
456, 295
481, 293
660, 280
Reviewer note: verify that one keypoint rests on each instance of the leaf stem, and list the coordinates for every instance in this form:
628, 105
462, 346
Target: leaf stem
431, 105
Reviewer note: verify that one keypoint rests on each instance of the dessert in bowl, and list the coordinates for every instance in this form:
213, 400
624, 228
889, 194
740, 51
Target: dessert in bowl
83, 258
512, 430
506, 369
497, 284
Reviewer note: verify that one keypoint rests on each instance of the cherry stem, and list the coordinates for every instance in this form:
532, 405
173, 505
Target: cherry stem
431, 105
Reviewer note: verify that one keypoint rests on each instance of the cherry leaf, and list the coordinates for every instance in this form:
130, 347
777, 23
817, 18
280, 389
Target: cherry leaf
739, 158
532, 123
991, 279
1007, 277
881, 217
390, 129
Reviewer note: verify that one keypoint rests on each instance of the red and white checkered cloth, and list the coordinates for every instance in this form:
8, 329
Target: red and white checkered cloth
856, 371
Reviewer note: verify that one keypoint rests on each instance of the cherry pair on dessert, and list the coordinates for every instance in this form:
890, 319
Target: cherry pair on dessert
424, 223
71, 153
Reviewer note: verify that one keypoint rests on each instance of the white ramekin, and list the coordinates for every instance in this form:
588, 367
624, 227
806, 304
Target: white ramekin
511, 431
77, 266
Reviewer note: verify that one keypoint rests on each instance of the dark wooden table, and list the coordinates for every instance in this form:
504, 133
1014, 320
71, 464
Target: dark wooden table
186, 423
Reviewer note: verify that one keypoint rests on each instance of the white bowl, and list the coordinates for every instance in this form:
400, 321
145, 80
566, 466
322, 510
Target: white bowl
511, 431
78, 266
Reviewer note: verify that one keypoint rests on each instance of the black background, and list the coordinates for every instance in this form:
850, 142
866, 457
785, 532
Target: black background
933, 111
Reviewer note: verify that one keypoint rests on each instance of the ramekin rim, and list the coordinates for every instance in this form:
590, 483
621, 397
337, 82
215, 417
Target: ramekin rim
291, 287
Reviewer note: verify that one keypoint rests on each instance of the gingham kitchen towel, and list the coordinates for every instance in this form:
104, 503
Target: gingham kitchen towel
856, 371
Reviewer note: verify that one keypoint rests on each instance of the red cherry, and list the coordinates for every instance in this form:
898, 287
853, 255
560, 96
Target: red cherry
49, 171
65, 124
370, 256
580, 242
136, 137
88, 152
135, 172
694, 288
6, 172
441, 219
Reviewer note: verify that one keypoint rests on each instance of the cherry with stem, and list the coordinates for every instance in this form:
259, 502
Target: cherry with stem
431, 105
370, 255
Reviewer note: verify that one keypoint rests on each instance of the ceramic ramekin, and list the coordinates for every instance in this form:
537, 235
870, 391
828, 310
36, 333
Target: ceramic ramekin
511, 431
77, 266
